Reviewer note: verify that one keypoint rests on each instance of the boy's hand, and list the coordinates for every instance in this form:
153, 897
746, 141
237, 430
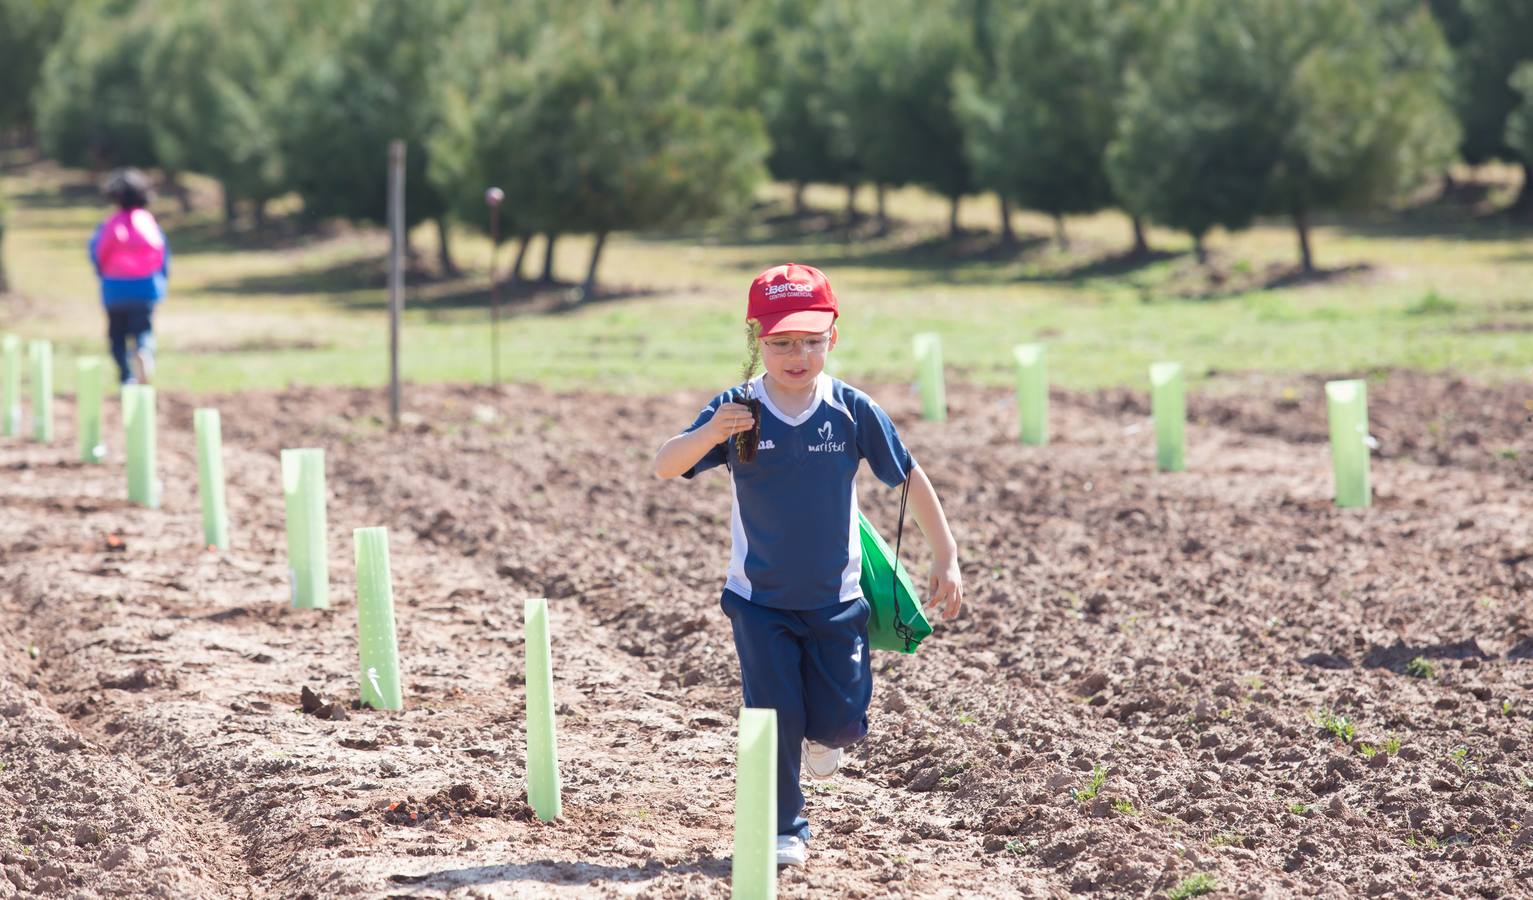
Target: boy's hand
728, 420
946, 588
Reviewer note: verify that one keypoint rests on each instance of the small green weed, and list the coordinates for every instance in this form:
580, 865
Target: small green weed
33, 651
1392, 745
1093, 785
1019, 847
1367, 750
1195, 885
1125, 806
1228, 839
1431, 304
1299, 809
1420, 668
1506, 707
1340, 727
965, 719
1507, 453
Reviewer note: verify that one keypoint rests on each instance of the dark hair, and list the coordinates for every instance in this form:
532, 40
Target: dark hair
128, 188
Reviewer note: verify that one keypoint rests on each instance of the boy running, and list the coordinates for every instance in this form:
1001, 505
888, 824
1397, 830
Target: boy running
132, 260
793, 593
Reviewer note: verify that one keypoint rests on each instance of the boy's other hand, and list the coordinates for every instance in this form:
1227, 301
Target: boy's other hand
946, 588
728, 420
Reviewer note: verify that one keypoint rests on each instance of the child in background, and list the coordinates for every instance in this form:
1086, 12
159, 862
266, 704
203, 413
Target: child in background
793, 593
132, 260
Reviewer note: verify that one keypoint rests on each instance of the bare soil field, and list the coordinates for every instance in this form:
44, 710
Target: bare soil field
1156, 675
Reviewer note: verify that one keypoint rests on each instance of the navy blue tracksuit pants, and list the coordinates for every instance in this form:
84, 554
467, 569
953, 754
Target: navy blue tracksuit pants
813, 667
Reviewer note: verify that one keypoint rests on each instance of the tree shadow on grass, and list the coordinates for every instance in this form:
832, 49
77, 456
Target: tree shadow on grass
553, 872
1113, 265
278, 233
520, 298
347, 277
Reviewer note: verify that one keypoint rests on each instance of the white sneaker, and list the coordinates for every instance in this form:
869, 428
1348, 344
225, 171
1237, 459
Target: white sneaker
791, 850
821, 761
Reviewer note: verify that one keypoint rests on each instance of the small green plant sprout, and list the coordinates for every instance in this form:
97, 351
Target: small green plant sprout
1367, 750
1019, 847
1125, 806
1255, 683
1392, 745
1506, 707
1507, 453
1093, 785
33, 651
1228, 839
1420, 668
966, 718
1195, 885
1299, 809
1340, 727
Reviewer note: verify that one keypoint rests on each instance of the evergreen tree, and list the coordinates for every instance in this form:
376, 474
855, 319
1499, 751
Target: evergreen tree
91, 108
1500, 38
28, 30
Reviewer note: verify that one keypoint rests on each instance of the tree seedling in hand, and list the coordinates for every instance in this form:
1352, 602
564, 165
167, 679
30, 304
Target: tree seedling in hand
747, 441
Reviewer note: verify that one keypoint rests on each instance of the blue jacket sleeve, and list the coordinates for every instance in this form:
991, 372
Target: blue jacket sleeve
718, 455
90, 248
879, 443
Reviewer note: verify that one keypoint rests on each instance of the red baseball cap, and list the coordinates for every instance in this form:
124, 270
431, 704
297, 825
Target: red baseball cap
791, 297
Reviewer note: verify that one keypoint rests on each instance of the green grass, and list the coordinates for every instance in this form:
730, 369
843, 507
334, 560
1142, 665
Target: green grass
1195, 885
248, 314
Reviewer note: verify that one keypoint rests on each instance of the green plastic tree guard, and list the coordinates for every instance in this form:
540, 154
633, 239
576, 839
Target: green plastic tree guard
375, 621
754, 872
1347, 409
1032, 393
542, 749
210, 478
928, 348
138, 422
88, 409
42, 391
303, 489
10, 414
1168, 403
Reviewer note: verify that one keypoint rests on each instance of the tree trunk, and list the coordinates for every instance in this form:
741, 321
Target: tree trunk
1522, 207
851, 205
548, 258
5, 284
1301, 224
1141, 242
799, 209
1198, 250
230, 212
181, 193
515, 276
444, 248
260, 215
1008, 235
883, 211
1061, 237
588, 289
953, 230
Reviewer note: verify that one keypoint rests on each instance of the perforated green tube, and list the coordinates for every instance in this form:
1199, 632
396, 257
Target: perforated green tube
88, 409
210, 478
542, 749
138, 423
42, 391
10, 397
1168, 403
303, 490
1032, 393
1347, 410
379, 650
754, 872
928, 350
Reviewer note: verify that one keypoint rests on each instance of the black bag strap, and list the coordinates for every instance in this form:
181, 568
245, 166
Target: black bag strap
900, 627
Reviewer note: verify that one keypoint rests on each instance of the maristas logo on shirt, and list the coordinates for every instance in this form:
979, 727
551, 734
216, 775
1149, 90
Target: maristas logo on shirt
828, 443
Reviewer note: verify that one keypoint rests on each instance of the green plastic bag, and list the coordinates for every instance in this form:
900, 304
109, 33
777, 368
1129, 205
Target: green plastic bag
878, 586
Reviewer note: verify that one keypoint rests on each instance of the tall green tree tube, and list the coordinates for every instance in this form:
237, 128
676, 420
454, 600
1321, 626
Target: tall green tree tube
42, 391
542, 751
1347, 410
928, 351
10, 396
210, 478
88, 409
138, 422
1168, 404
1032, 393
303, 490
754, 875
379, 650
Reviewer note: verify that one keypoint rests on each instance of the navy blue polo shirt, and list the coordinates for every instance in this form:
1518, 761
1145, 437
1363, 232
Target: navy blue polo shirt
793, 521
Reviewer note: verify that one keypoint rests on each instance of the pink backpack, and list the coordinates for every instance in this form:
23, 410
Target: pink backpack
131, 245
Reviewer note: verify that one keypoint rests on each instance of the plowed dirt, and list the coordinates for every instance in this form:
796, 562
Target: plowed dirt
1185, 637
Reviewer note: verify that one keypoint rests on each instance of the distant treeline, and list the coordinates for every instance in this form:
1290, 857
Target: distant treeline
597, 116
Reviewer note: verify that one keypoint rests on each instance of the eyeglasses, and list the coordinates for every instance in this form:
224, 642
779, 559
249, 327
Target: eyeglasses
781, 346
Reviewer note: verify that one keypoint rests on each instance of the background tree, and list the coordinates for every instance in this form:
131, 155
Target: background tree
1037, 133
897, 86
1500, 38
91, 107
226, 61
1519, 124
629, 128
28, 30
382, 79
